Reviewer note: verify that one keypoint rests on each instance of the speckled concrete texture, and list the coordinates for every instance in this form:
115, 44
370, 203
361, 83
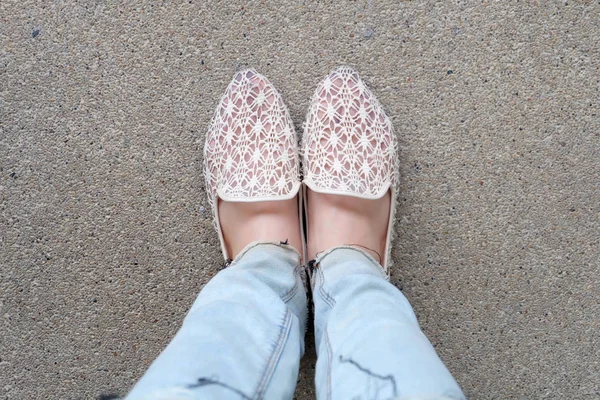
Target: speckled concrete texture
105, 239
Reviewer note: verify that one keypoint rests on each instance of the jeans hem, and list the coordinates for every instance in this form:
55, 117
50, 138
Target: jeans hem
321, 256
252, 245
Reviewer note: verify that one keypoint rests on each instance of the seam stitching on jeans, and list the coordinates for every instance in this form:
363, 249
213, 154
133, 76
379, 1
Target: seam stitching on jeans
286, 297
330, 362
326, 297
279, 345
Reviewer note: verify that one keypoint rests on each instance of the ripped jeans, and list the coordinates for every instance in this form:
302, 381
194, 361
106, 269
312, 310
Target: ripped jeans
244, 335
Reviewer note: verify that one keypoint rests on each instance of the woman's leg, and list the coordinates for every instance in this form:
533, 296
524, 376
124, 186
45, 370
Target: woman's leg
368, 340
369, 343
243, 337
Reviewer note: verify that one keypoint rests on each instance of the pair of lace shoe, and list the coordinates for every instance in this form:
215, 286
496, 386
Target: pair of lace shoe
348, 146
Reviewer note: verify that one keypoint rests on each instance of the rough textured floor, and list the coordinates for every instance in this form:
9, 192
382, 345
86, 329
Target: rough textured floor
105, 239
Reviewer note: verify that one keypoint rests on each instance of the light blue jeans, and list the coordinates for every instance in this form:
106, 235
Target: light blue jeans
244, 335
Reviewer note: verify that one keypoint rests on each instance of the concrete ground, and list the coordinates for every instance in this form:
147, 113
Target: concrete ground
105, 237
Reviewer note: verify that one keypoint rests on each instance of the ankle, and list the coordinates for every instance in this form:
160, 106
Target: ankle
358, 223
268, 221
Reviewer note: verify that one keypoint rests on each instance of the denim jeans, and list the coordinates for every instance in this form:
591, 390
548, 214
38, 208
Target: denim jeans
244, 335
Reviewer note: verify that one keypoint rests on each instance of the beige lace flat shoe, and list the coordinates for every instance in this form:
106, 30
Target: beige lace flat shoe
251, 149
349, 147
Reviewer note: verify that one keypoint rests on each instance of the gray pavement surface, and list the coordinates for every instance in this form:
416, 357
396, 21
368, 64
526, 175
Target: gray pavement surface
105, 237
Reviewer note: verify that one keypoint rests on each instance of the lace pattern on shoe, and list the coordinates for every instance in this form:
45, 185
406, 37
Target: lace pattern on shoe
250, 152
349, 146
